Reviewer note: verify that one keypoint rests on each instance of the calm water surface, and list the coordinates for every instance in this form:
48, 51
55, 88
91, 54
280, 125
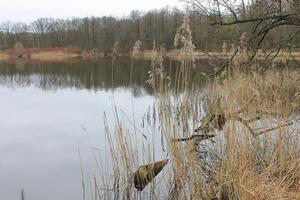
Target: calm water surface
51, 112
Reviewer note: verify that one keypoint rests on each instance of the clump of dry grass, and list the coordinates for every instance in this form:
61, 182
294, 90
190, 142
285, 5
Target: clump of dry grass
272, 93
266, 165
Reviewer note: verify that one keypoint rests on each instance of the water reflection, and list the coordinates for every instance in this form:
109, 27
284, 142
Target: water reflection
79, 75
96, 75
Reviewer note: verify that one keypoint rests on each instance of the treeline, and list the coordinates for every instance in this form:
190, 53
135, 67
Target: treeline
103, 33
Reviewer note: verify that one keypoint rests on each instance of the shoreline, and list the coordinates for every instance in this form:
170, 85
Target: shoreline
64, 55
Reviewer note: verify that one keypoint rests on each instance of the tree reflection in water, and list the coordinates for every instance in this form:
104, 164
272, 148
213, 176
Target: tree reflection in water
93, 75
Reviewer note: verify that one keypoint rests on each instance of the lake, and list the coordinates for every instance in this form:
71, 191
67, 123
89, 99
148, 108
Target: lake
51, 117
52, 132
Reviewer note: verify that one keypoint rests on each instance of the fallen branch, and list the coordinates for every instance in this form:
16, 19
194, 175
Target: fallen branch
227, 63
198, 137
274, 128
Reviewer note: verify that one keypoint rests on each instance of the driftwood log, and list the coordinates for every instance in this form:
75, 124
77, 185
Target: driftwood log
146, 173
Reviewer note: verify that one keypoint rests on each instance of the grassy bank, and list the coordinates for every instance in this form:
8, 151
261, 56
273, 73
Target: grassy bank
174, 55
37, 55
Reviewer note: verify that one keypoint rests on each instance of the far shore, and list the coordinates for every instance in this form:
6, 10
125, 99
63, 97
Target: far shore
49, 55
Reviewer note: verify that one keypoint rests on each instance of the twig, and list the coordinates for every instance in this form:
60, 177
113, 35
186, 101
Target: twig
274, 128
225, 64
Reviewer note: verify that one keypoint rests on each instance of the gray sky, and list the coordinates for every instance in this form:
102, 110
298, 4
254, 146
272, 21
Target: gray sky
29, 10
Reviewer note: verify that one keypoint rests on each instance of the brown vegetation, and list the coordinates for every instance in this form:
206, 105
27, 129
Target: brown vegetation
252, 151
236, 139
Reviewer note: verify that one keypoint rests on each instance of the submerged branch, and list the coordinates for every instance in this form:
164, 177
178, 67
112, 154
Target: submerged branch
227, 63
274, 128
199, 137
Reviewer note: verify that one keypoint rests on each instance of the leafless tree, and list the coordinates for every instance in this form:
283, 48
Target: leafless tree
257, 17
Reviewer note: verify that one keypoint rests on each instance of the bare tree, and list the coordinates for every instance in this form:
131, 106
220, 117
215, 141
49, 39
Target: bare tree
257, 17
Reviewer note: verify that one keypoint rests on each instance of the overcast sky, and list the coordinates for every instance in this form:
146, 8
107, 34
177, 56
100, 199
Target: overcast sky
29, 10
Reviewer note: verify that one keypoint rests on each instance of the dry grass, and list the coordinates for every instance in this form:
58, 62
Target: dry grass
254, 153
265, 166
52, 55
270, 93
237, 164
282, 56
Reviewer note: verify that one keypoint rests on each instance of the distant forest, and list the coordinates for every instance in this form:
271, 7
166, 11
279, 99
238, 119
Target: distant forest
102, 33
